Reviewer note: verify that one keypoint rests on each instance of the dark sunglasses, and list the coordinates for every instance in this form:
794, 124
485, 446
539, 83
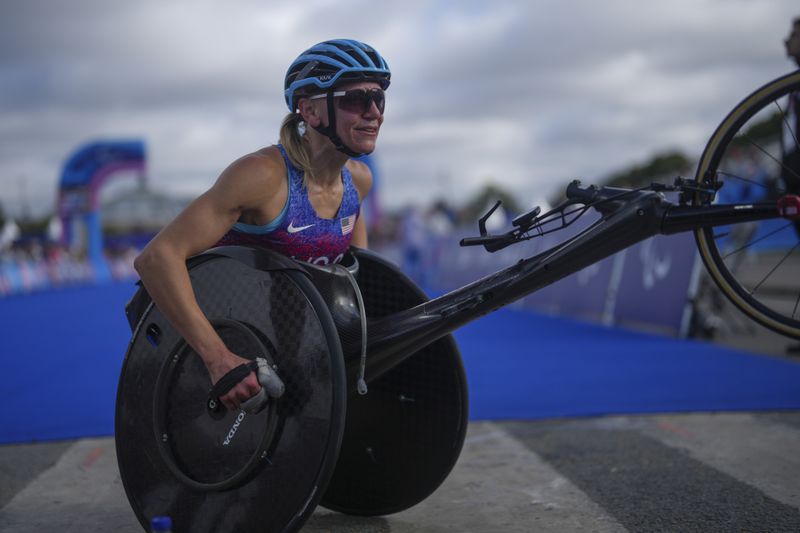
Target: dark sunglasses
357, 100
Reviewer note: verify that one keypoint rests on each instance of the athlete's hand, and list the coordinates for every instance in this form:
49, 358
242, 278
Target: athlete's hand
242, 391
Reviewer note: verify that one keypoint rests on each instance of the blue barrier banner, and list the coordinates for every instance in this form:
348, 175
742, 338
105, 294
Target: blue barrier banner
581, 295
655, 283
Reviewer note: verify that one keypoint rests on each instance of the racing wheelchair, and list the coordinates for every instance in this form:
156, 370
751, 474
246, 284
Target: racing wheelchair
374, 411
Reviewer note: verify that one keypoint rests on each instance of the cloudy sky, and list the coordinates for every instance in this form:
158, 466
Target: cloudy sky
527, 94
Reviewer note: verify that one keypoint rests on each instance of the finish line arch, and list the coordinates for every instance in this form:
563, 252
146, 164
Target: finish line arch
83, 175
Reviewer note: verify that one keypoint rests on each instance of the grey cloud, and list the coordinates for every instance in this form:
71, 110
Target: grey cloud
563, 88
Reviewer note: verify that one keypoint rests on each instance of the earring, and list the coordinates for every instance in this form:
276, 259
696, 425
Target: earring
301, 128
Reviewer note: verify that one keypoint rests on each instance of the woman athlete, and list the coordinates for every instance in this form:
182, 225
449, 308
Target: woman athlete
301, 198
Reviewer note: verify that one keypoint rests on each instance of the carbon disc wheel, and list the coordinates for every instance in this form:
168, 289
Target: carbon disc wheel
213, 470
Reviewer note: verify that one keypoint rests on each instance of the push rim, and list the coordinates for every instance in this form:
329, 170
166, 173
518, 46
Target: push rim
213, 478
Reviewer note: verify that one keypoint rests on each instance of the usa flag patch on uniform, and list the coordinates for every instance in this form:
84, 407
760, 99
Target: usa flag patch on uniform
347, 224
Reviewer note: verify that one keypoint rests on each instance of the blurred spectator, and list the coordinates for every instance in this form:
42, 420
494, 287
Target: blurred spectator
441, 219
791, 146
8, 234
29, 265
414, 238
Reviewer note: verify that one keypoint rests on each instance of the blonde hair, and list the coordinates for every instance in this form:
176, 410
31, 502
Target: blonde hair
294, 142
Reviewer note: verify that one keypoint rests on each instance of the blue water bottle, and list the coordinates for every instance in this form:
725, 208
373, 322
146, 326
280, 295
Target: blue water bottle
161, 524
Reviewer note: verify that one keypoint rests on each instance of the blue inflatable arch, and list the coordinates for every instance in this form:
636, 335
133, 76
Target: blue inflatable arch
83, 175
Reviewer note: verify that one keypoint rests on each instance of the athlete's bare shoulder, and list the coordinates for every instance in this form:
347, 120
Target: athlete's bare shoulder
264, 164
362, 176
255, 178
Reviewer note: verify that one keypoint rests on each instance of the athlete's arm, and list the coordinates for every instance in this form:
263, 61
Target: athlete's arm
362, 180
244, 187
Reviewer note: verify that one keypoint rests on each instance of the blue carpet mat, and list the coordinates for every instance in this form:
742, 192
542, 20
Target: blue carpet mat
522, 366
62, 354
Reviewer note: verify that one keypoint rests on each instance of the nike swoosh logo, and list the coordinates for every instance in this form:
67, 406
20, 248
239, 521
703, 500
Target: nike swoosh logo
293, 229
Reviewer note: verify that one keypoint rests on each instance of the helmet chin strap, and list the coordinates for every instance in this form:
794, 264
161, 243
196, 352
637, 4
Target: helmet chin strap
330, 130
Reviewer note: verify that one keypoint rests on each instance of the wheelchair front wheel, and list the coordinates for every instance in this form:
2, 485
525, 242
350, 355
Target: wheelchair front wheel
754, 157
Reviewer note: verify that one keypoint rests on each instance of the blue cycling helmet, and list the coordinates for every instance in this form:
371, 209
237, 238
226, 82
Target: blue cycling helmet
330, 63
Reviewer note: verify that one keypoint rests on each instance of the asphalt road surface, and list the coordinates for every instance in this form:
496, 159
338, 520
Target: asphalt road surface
704, 472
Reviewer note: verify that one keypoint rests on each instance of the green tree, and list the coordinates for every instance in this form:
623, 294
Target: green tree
661, 166
762, 132
33, 227
484, 199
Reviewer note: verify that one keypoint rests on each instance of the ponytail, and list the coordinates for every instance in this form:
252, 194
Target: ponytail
294, 142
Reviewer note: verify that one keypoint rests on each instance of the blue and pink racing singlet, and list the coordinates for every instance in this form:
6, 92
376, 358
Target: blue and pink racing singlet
298, 232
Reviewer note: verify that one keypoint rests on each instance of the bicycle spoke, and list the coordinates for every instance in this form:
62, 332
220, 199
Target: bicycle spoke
796, 303
786, 123
747, 180
775, 159
751, 243
785, 257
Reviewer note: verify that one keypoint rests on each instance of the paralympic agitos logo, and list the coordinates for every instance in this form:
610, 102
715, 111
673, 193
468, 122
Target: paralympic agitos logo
234, 429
